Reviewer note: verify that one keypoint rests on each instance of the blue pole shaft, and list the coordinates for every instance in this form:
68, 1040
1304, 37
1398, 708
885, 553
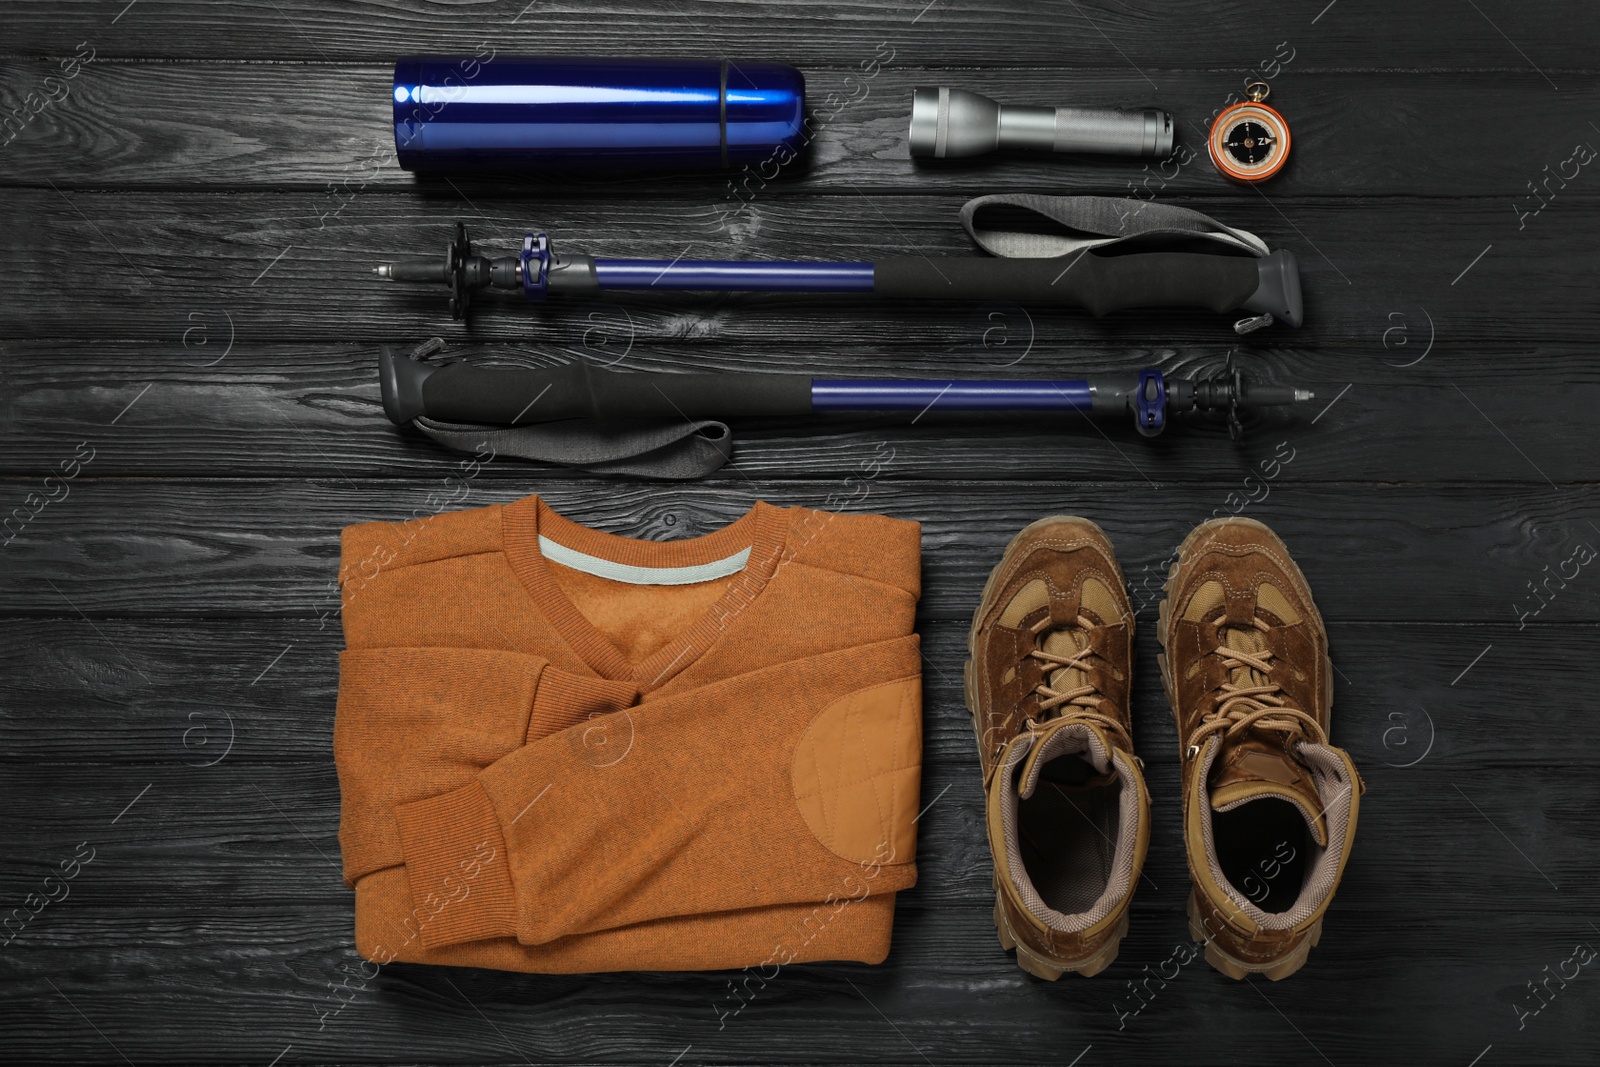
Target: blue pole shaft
909, 394
731, 275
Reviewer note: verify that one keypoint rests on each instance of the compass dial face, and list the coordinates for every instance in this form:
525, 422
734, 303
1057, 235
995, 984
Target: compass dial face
1249, 142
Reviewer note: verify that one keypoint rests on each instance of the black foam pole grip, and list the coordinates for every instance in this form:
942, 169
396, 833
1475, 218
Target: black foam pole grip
436, 269
1096, 283
460, 392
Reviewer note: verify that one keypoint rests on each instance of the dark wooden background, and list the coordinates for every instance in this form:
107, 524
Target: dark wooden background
188, 231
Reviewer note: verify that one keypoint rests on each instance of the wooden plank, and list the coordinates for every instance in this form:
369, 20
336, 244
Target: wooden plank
968, 33
231, 870
187, 696
262, 259
201, 124
260, 977
256, 820
201, 408
219, 174
251, 549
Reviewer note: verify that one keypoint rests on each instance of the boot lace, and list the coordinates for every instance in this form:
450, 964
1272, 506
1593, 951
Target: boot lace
1243, 707
1085, 701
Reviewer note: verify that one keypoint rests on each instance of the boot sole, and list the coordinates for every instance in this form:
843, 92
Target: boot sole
1048, 969
1220, 960
1029, 960
1236, 968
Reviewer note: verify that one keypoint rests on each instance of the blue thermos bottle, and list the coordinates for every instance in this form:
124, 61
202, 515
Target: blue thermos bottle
497, 112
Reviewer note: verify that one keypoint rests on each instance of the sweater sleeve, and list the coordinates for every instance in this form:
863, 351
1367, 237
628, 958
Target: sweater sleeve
678, 806
417, 722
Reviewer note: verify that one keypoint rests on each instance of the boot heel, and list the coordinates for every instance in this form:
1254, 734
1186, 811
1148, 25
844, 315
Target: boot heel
1236, 968
1034, 965
1002, 928
1106, 956
1040, 967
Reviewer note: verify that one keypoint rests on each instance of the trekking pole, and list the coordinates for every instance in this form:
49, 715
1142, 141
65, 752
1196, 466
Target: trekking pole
1268, 286
461, 392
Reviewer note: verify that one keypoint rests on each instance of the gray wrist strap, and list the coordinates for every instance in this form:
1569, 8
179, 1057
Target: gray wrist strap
1029, 226
643, 448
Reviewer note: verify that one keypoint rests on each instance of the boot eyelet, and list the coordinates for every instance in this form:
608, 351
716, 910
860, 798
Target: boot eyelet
1193, 751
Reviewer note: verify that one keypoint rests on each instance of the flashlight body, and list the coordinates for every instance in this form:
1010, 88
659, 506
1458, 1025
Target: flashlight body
948, 123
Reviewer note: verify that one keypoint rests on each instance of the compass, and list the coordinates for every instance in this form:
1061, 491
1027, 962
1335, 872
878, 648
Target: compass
1249, 141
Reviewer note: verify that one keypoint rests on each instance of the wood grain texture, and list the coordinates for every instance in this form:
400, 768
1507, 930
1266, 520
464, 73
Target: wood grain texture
186, 236
270, 990
262, 410
281, 271
253, 835
249, 548
141, 125
171, 685
1099, 34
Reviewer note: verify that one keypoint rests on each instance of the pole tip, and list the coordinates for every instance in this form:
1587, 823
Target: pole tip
1303, 395
383, 271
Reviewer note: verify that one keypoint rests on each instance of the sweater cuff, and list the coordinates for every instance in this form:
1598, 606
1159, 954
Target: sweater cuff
564, 699
456, 861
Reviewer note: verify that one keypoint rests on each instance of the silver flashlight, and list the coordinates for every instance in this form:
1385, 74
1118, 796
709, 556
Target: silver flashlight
946, 123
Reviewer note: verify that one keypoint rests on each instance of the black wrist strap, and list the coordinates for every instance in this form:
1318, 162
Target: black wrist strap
675, 449
643, 448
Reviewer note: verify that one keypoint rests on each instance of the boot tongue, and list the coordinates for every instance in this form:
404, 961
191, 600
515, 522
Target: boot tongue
1261, 763
1065, 642
1252, 770
1245, 639
1064, 737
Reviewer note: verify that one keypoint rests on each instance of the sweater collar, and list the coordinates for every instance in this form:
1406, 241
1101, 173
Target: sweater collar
763, 530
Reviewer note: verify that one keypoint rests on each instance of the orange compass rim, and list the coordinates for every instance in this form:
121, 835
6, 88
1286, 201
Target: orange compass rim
1219, 159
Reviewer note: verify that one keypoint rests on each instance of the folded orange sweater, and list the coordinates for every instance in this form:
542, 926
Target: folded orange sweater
563, 750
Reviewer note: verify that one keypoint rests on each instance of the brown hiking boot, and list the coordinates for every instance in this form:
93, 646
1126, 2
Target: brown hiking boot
1269, 806
1047, 683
